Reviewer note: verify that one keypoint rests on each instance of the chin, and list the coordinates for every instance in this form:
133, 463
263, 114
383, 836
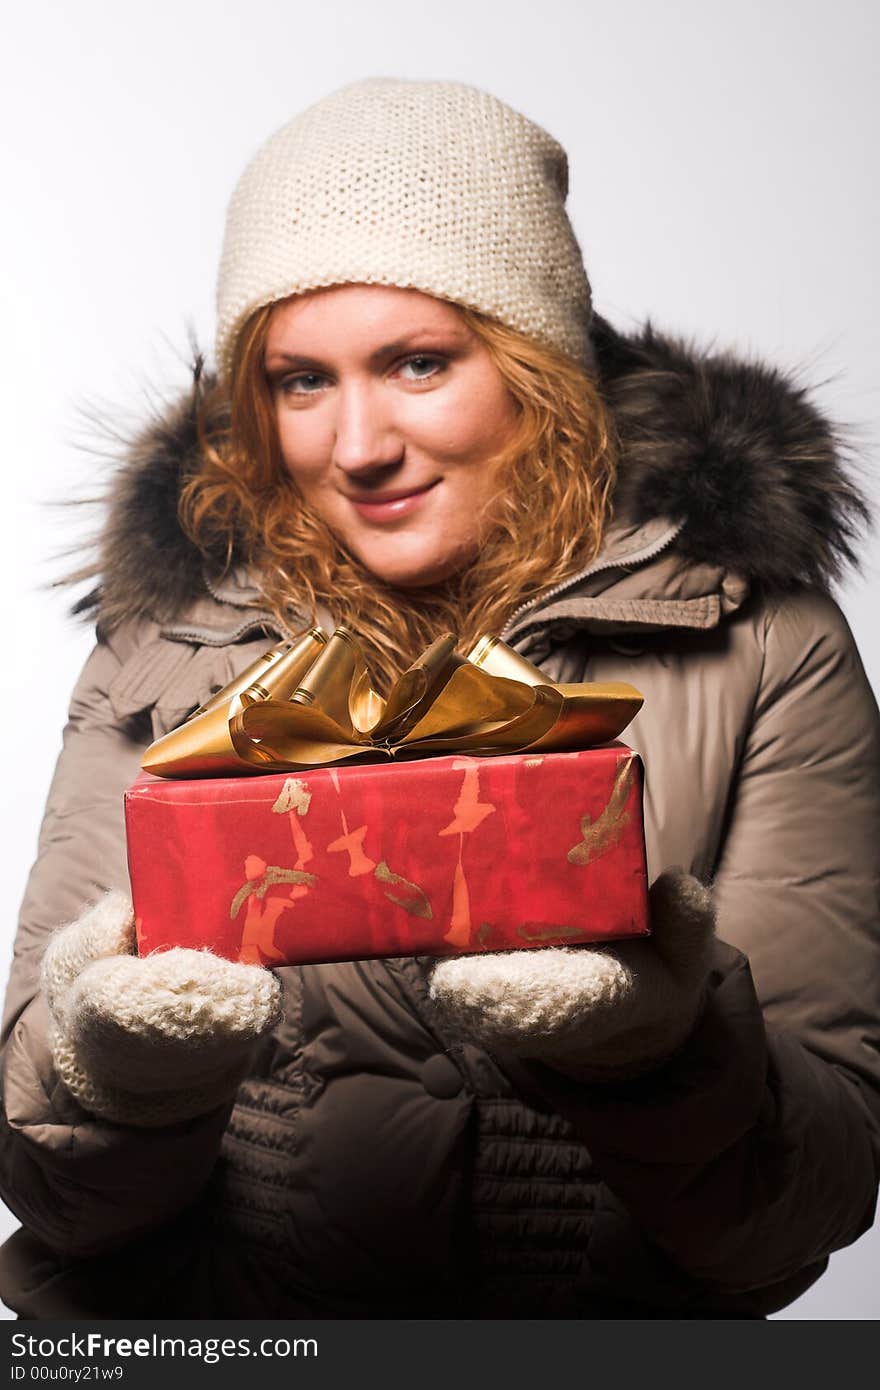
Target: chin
415, 575
417, 578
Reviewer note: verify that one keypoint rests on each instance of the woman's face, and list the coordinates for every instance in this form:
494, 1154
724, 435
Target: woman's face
388, 409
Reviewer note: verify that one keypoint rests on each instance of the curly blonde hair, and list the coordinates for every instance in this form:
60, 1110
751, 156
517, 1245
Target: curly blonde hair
549, 513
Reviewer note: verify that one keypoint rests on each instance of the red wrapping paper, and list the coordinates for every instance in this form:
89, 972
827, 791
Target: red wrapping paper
439, 856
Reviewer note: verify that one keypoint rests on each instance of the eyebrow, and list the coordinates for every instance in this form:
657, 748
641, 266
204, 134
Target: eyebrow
449, 339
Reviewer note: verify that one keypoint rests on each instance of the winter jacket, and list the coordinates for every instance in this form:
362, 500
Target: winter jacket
373, 1166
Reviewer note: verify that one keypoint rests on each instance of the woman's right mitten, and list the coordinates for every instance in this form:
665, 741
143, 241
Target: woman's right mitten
156, 1040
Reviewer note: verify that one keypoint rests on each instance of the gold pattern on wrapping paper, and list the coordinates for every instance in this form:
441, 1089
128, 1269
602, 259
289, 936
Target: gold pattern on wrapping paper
417, 905
258, 946
312, 705
294, 796
600, 835
545, 931
259, 887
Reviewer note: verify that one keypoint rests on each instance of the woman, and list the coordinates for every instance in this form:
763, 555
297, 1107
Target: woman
417, 425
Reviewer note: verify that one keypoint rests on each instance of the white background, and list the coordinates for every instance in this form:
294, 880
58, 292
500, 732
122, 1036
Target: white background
723, 180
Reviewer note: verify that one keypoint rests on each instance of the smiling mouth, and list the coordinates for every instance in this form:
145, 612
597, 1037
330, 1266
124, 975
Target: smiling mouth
392, 504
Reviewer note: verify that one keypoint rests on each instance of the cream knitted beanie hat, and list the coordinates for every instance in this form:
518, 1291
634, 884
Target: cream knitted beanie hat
433, 186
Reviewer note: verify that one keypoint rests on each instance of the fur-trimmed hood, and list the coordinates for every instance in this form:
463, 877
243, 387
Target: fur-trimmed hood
731, 448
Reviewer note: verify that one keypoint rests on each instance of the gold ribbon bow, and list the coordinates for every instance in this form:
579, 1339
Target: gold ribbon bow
308, 703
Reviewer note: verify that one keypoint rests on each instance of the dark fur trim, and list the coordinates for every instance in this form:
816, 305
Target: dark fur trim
146, 565
735, 448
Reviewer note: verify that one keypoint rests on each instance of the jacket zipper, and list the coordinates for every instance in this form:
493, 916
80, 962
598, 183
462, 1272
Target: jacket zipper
637, 557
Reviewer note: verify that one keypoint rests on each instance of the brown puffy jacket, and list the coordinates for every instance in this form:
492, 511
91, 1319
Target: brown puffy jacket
373, 1167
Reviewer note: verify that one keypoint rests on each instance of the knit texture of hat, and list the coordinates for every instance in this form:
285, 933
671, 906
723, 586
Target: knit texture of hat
434, 186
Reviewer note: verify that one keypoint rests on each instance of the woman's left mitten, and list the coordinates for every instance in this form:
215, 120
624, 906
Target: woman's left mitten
600, 1013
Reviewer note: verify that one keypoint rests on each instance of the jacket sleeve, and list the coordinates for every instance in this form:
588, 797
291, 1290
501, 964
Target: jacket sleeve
80, 1184
754, 1153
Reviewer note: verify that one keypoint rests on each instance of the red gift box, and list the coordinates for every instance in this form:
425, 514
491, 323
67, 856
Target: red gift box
438, 856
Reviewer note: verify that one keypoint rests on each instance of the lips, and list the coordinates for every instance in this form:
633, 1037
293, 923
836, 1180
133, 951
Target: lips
388, 506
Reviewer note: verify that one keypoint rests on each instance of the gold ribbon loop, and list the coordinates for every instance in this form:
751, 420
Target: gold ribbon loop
310, 703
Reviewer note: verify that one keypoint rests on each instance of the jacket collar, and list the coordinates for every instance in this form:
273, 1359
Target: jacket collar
729, 478
620, 588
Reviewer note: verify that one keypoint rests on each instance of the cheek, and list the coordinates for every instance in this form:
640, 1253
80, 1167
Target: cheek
469, 424
306, 446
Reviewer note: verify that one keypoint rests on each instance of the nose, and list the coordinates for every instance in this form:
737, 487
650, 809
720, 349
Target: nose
366, 438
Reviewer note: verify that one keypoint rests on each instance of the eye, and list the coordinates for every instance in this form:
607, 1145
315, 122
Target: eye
305, 384
422, 367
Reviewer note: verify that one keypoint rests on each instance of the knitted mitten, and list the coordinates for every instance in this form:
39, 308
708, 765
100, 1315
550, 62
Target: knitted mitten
149, 1041
599, 1013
